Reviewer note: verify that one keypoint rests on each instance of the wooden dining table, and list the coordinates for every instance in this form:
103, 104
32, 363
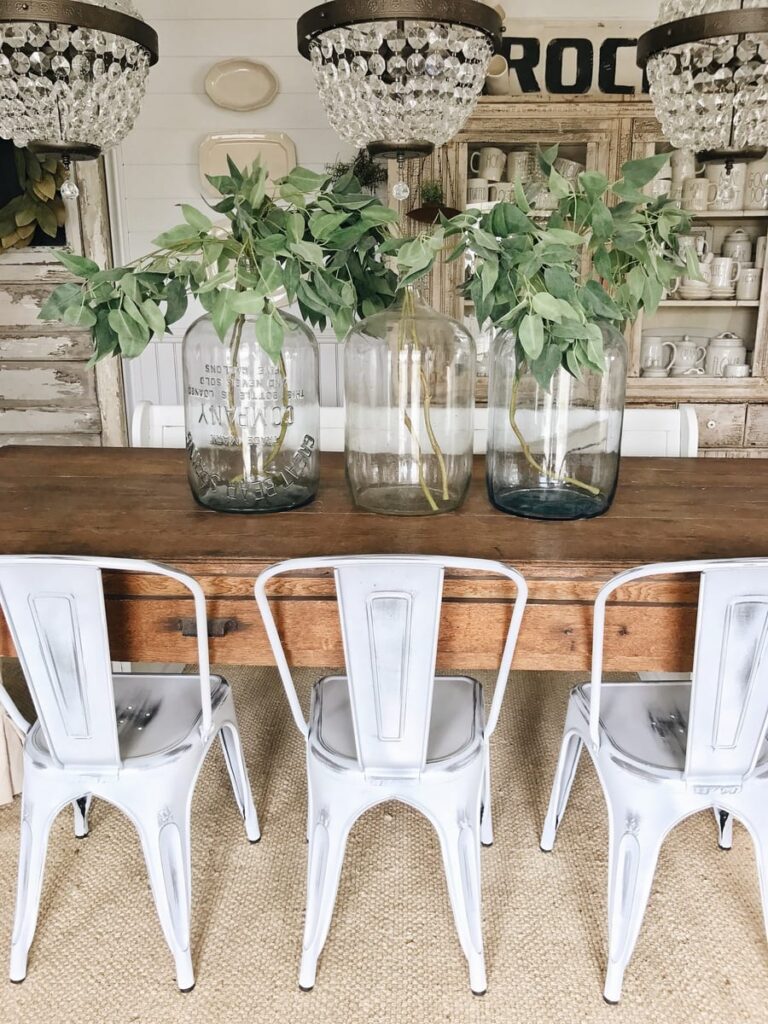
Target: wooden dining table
135, 503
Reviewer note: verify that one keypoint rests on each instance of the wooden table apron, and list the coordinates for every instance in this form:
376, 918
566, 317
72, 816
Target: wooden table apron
136, 504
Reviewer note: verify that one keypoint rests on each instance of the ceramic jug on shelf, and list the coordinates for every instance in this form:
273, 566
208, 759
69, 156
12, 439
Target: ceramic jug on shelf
738, 245
727, 349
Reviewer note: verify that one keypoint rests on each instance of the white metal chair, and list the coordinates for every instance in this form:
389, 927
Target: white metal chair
666, 750
376, 733
666, 433
137, 741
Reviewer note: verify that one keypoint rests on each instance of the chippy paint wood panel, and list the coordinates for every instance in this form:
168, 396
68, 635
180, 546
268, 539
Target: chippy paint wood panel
64, 346
27, 384
20, 304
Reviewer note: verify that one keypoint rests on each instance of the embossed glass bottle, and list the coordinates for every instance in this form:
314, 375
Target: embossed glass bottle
252, 424
410, 398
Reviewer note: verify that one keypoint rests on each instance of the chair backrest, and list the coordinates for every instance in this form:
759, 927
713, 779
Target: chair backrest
55, 610
728, 714
158, 426
664, 433
389, 608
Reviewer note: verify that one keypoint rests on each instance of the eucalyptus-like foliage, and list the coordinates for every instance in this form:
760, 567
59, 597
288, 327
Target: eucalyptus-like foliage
318, 242
605, 253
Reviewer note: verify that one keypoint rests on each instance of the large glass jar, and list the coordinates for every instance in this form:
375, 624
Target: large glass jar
410, 395
554, 453
252, 424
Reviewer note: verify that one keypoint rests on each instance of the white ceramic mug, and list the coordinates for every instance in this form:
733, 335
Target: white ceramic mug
684, 165
698, 243
652, 352
520, 164
736, 370
698, 193
730, 182
488, 162
477, 190
748, 287
497, 76
756, 197
689, 358
502, 192
760, 251
725, 273
658, 187
569, 169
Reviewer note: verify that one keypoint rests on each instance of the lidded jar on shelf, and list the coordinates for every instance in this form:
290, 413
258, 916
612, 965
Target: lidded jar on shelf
410, 397
252, 423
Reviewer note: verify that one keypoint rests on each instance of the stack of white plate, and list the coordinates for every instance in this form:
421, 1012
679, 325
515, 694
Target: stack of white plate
695, 291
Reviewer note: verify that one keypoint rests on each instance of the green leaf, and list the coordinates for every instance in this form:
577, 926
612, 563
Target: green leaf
176, 237
271, 275
304, 181
80, 316
637, 173
559, 283
572, 362
489, 275
59, 300
562, 236
594, 183
636, 279
215, 282
322, 225
377, 214
130, 287
601, 221
153, 317
531, 334
105, 340
195, 218
342, 320
507, 220
485, 240
545, 366
270, 334
248, 302
547, 306
46, 218
294, 227
598, 302
310, 252
223, 315
132, 309
77, 265
133, 339
177, 301
559, 186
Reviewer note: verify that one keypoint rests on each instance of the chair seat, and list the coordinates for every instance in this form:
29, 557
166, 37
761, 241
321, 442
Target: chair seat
148, 724
456, 726
646, 723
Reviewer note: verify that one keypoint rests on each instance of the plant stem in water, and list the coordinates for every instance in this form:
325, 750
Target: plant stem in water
548, 473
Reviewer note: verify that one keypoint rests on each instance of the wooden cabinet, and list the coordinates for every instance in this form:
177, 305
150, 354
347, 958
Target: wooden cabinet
603, 134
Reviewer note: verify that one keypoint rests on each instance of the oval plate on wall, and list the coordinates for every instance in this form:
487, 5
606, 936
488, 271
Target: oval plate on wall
241, 84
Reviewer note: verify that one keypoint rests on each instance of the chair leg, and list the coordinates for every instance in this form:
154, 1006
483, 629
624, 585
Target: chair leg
567, 764
460, 846
36, 820
165, 839
635, 842
238, 774
81, 808
327, 843
486, 816
724, 829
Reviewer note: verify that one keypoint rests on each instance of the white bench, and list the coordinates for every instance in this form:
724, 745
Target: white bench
665, 433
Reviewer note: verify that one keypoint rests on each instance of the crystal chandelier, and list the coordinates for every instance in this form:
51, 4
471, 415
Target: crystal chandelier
72, 74
707, 65
399, 76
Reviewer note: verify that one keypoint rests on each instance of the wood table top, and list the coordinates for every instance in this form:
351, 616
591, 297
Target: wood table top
136, 503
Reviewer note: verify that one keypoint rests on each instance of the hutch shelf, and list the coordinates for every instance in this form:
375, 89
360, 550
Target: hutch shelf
603, 134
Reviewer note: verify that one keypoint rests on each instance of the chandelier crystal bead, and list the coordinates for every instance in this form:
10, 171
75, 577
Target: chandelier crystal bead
72, 74
707, 67
399, 77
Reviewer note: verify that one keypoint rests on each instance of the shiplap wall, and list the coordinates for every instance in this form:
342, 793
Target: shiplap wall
156, 167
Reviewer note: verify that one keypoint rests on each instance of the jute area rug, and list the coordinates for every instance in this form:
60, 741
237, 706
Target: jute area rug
392, 955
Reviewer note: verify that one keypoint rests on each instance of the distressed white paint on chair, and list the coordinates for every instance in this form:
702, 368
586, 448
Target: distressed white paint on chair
390, 730
666, 750
665, 433
137, 741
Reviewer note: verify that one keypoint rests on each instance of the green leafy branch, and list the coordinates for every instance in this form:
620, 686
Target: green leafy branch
318, 243
606, 252
39, 204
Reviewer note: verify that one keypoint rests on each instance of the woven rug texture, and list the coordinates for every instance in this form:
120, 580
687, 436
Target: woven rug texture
392, 956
